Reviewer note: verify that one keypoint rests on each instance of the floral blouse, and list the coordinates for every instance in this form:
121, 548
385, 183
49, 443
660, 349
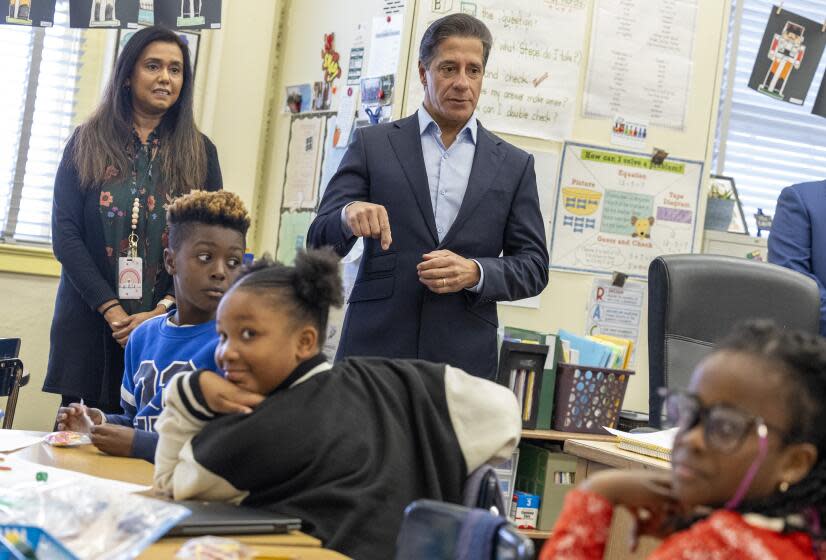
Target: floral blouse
117, 197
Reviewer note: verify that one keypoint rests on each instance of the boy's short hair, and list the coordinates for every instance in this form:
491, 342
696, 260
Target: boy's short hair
219, 208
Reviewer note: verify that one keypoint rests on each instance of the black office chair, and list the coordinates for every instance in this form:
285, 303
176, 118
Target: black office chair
12, 377
442, 531
695, 300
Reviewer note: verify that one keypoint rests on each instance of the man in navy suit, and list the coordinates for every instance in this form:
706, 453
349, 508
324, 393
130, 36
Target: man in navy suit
449, 214
798, 235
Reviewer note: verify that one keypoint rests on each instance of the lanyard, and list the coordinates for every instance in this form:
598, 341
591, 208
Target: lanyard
136, 204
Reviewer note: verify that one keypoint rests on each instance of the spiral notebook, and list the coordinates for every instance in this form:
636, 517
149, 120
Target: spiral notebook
652, 444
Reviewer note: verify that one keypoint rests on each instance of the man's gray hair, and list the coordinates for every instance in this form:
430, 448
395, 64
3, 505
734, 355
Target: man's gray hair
454, 25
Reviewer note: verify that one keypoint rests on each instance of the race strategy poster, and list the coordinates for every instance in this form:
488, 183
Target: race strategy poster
616, 210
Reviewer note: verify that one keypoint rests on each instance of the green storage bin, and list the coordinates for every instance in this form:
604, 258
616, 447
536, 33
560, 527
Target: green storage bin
536, 475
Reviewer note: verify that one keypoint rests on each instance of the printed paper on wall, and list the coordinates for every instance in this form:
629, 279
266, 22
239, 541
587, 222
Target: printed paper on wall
616, 211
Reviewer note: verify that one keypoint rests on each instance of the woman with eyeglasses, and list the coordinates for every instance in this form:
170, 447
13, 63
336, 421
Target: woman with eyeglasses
748, 477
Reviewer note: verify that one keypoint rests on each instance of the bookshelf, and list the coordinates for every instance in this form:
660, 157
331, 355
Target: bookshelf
536, 535
557, 436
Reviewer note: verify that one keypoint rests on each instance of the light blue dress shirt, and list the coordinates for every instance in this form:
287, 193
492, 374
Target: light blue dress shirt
448, 172
448, 169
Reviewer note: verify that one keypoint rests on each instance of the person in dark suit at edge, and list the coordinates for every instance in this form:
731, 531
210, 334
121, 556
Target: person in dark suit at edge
449, 213
798, 236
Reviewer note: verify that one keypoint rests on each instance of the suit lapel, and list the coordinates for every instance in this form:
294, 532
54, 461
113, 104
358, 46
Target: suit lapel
407, 144
486, 164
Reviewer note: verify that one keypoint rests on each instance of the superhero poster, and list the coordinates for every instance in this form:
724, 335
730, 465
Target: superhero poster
788, 56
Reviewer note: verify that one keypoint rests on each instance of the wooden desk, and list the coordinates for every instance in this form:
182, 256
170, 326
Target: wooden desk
165, 549
595, 456
88, 460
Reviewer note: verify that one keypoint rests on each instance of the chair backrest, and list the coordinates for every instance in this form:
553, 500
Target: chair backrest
9, 347
442, 531
695, 300
12, 377
483, 490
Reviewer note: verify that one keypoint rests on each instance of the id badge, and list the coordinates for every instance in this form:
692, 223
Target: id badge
130, 278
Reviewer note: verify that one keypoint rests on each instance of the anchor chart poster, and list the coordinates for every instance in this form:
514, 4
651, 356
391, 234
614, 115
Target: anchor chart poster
616, 210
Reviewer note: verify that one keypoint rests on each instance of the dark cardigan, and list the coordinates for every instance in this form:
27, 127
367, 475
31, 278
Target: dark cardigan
84, 360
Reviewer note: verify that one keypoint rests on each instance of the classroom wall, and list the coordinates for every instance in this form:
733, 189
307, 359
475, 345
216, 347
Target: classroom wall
27, 314
266, 45
563, 303
304, 24
234, 86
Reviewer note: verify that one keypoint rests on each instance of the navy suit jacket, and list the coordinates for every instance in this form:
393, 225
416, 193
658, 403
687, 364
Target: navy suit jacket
390, 312
798, 235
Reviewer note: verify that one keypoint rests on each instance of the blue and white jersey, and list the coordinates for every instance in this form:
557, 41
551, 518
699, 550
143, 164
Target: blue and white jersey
157, 351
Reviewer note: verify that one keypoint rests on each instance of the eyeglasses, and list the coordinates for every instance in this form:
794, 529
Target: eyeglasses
724, 427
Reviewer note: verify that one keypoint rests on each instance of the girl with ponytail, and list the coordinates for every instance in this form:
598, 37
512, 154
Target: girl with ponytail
335, 445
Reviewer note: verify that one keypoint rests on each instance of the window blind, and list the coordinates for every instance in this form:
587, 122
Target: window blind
16, 46
763, 143
38, 99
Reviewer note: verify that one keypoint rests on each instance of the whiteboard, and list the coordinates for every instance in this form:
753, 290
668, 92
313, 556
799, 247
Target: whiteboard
532, 77
615, 211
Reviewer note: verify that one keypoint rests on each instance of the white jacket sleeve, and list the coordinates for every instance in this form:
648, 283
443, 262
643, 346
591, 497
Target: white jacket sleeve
177, 473
485, 417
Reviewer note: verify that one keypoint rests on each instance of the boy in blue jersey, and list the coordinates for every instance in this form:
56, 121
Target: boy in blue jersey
207, 233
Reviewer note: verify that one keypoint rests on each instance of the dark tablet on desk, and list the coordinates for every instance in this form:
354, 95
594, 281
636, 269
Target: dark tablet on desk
215, 518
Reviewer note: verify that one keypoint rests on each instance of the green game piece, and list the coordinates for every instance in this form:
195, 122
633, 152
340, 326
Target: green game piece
42, 476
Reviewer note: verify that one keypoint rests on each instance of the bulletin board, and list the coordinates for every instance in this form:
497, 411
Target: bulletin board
311, 138
302, 173
616, 210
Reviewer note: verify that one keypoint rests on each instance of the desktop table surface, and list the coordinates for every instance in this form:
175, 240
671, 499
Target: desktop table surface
607, 453
87, 459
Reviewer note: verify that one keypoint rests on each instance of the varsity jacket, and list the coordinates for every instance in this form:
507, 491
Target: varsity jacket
344, 447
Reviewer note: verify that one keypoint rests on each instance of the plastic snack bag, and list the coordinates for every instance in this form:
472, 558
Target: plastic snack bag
90, 520
67, 439
214, 548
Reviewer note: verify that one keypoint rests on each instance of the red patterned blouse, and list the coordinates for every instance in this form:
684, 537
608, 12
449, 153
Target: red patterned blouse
582, 531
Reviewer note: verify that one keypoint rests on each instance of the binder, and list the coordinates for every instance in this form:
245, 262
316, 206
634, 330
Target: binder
521, 370
544, 415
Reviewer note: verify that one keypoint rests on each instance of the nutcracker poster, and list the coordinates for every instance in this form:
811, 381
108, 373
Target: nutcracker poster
189, 14
29, 13
788, 56
114, 14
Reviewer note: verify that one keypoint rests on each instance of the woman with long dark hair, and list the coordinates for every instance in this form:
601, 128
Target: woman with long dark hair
138, 151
